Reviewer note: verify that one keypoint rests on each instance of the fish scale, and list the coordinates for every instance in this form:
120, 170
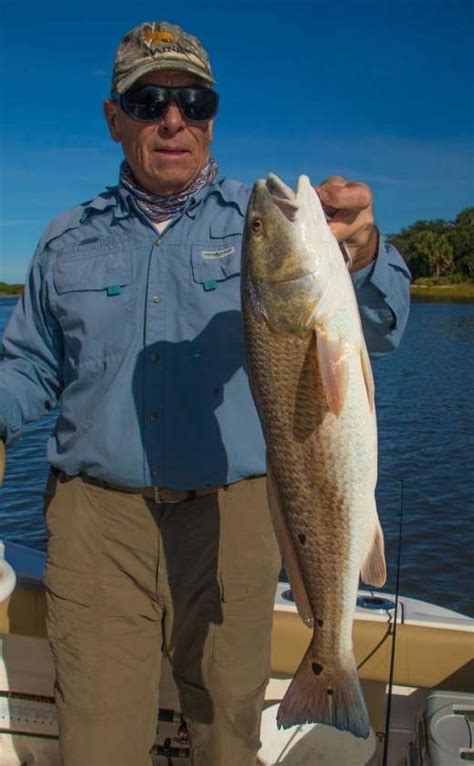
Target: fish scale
311, 382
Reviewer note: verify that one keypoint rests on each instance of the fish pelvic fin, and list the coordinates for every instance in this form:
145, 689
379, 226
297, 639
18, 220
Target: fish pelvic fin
288, 552
374, 569
332, 697
333, 360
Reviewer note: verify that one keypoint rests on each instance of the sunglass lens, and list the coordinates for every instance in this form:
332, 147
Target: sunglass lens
146, 104
198, 104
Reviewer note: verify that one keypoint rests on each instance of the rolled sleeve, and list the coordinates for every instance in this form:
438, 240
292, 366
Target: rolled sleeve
31, 358
383, 294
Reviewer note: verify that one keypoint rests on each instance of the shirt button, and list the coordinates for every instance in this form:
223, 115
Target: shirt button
152, 417
157, 242
155, 357
155, 472
156, 298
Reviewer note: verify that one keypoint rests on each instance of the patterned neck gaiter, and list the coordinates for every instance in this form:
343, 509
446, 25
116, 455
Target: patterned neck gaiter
159, 208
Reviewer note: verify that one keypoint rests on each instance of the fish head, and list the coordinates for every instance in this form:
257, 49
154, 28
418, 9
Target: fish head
286, 232
288, 248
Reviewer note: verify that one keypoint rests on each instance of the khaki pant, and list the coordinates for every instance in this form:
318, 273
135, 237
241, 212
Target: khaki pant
128, 579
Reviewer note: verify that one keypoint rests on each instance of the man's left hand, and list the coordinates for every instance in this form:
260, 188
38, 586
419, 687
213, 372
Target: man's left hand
348, 205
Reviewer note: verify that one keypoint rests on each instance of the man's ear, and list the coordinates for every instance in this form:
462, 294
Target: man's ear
112, 119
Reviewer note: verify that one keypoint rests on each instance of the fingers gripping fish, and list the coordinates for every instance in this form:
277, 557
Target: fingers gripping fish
312, 383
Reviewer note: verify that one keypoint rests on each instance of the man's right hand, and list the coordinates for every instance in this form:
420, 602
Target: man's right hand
2, 461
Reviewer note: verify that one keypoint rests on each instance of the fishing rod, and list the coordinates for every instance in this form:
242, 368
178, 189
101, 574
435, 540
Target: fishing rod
394, 635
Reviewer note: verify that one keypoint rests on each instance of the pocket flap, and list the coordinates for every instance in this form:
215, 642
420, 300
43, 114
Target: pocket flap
217, 260
91, 271
225, 229
69, 585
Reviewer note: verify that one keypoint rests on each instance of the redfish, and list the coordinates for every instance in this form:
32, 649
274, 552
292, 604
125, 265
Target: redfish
312, 383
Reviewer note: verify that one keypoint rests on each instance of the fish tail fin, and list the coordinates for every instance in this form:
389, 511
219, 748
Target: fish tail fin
333, 697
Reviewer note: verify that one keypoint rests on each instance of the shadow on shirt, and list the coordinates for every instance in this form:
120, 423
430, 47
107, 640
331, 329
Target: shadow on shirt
178, 387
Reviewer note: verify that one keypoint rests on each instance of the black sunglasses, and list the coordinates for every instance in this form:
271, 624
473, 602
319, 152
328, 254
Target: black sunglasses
150, 102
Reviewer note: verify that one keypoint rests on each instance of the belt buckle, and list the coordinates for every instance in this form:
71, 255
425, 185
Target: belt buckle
156, 495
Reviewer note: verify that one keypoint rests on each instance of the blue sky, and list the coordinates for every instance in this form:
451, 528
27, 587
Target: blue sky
375, 90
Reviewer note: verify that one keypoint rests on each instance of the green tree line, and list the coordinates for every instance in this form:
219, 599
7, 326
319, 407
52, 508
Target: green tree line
440, 250
6, 289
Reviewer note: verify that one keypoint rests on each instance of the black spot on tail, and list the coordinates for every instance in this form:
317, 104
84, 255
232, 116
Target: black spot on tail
317, 668
302, 539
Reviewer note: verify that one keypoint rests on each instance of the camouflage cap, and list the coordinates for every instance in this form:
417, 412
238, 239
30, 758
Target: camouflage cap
156, 45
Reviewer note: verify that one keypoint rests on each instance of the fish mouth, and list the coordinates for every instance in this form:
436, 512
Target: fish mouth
304, 200
282, 196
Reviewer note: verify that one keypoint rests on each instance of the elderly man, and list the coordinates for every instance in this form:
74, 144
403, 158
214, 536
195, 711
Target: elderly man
159, 535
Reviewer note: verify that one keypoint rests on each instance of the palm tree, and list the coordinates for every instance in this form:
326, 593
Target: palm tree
437, 250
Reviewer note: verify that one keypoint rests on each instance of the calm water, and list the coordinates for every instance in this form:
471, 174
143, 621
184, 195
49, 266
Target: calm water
426, 423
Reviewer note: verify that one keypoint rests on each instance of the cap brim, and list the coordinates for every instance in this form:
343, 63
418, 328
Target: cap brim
164, 63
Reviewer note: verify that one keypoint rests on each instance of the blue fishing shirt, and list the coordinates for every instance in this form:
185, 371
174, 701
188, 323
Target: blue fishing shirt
137, 337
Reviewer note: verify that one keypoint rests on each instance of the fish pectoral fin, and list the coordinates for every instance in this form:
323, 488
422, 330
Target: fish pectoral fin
288, 553
368, 376
374, 569
333, 359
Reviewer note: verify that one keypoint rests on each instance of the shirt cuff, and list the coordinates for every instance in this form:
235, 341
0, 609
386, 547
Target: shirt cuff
379, 271
10, 417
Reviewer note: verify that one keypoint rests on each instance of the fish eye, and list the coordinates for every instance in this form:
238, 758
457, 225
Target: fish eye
256, 226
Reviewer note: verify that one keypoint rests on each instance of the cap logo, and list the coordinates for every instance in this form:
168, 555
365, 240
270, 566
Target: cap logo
153, 36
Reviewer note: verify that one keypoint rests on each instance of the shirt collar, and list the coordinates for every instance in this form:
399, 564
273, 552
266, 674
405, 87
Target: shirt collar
118, 199
114, 198
219, 187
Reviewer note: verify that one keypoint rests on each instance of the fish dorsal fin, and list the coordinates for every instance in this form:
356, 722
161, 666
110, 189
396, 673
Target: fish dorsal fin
333, 360
368, 375
288, 553
374, 570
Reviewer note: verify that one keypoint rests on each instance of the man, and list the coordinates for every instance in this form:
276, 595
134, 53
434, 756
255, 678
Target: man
159, 535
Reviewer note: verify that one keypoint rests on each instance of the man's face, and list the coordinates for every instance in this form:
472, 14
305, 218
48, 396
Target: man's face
165, 156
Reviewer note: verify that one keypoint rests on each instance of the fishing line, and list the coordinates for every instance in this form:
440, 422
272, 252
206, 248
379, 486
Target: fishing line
392, 656
379, 644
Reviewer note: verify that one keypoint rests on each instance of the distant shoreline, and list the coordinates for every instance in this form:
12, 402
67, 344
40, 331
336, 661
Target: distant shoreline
463, 290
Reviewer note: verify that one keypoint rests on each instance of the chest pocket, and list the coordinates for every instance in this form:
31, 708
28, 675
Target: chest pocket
89, 267
95, 298
216, 261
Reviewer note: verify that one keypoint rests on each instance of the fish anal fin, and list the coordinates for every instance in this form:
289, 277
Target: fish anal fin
334, 369
287, 550
374, 570
368, 376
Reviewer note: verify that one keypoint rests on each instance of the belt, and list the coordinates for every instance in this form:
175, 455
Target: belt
158, 494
